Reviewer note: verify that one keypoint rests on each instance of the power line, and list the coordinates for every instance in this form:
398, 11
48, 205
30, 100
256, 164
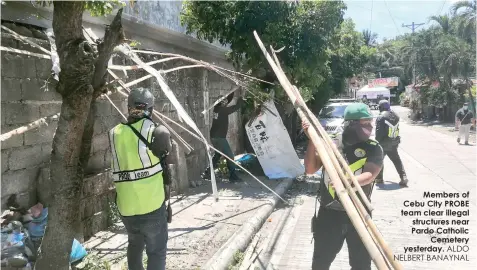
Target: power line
392, 17
443, 3
374, 11
371, 21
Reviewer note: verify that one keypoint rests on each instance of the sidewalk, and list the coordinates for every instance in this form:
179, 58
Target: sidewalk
434, 162
199, 224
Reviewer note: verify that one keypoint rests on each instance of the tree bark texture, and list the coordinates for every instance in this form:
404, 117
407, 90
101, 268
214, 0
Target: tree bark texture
80, 65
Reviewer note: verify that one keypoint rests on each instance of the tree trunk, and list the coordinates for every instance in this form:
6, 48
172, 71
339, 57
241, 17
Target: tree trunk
81, 69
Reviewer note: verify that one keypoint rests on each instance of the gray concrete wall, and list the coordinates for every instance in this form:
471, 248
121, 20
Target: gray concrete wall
26, 97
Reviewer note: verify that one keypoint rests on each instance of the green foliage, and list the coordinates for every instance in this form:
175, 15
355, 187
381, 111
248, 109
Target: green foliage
93, 262
441, 53
320, 50
96, 8
237, 260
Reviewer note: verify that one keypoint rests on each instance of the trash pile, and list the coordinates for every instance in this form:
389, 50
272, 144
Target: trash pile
22, 231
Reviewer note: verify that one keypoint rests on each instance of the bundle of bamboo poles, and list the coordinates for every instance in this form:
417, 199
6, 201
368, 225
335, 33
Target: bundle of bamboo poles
339, 172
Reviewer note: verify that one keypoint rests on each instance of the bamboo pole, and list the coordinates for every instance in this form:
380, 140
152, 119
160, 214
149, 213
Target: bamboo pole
187, 146
7, 49
24, 39
359, 203
160, 115
329, 143
136, 67
210, 66
363, 213
30, 126
328, 164
220, 99
333, 152
126, 50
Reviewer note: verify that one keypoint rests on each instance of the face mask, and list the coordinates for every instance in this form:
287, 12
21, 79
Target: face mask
355, 132
465, 107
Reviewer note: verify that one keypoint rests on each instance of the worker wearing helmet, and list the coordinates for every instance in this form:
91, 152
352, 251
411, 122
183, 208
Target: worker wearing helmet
387, 134
140, 173
332, 225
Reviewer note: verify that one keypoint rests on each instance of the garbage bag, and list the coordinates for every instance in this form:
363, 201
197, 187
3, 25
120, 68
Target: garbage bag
78, 252
37, 226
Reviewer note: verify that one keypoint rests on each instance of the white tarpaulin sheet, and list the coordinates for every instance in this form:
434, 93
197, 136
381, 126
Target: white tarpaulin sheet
272, 145
373, 93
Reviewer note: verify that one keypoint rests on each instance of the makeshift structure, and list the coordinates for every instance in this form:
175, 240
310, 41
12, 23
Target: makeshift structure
373, 93
123, 88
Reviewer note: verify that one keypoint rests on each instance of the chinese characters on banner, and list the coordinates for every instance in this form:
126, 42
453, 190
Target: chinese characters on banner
269, 138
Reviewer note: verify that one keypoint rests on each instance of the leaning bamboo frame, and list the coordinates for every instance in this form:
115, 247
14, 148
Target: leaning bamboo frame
161, 118
323, 151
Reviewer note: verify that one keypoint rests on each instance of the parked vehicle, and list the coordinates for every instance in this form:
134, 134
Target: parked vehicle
331, 117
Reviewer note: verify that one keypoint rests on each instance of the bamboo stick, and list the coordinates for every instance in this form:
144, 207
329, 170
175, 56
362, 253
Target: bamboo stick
30, 126
330, 144
202, 62
365, 217
187, 146
25, 52
136, 67
126, 50
364, 214
160, 115
337, 184
220, 100
24, 39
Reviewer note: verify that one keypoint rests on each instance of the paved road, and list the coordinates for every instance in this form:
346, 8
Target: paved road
434, 162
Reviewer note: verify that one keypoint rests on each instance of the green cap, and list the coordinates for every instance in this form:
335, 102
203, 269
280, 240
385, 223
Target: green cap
357, 111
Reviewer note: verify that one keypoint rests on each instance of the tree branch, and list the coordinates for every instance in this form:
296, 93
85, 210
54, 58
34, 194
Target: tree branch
113, 36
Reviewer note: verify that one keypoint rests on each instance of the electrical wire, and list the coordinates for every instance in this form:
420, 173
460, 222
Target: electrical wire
371, 21
392, 18
442, 7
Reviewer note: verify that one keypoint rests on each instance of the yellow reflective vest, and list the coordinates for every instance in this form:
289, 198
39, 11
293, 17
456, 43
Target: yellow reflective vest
137, 172
356, 155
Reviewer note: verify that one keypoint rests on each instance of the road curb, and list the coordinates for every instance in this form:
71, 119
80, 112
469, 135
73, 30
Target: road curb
241, 238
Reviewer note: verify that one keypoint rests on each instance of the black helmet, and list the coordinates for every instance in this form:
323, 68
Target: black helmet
140, 102
384, 105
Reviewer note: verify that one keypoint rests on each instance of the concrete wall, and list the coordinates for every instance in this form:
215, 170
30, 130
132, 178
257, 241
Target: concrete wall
25, 99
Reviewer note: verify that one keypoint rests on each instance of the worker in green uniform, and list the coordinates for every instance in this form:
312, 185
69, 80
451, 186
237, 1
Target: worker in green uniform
139, 152
332, 226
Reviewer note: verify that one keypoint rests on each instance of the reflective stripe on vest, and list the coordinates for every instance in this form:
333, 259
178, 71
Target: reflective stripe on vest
356, 168
393, 130
137, 172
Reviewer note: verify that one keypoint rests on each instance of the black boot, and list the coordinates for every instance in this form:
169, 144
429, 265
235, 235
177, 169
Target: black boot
379, 180
404, 181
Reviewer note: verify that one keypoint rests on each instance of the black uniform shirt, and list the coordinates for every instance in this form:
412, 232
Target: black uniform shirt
357, 156
464, 116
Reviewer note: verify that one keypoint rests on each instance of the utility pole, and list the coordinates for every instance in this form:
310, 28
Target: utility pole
413, 27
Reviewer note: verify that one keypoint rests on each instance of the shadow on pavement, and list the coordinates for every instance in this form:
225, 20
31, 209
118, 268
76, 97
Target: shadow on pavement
390, 186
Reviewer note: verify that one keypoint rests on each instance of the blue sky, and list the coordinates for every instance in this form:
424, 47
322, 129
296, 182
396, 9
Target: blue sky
383, 13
